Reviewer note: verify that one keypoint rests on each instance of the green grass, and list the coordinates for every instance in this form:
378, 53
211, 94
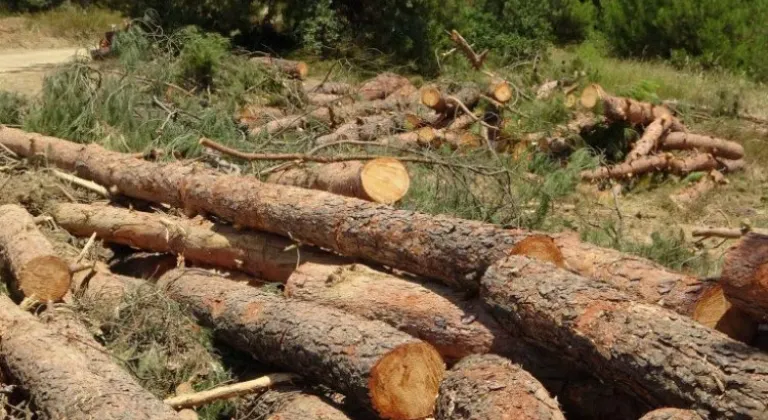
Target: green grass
73, 22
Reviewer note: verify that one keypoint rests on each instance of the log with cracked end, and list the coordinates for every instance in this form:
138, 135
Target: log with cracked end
39, 274
659, 356
297, 69
745, 275
391, 373
672, 414
491, 387
725, 149
432, 97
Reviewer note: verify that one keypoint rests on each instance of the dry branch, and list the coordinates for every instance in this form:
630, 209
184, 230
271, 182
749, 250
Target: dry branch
67, 373
745, 275
297, 69
393, 374
92, 186
662, 358
199, 399
382, 180
38, 272
727, 233
717, 147
476, 60
672, 414
265, 256
656, 163
491, 387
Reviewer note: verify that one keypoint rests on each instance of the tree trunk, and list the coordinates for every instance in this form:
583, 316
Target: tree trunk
289, 403
67, 373
452, 250
650, 138
717, 147
656, 163
491, 387
253, 115
39, 273
383, 180
381, 86
297, 69
262, 255
365, 129
391, 373
745, 275
663, 358
672, 414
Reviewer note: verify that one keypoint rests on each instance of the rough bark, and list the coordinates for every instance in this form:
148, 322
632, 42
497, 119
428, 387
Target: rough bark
715, 311
449, 104
672, 414
455, 326
462, 122
717, 147
657, 163
452, 250
262, 255
290, 403
253, 115
383, 180
662, 358
693, 192
745, 275
649, 141
293, 121
297, 69
616, 108
67, 377
457, 140
393, 374
491, 387
381, 86
100, 288
364, 129
39, 274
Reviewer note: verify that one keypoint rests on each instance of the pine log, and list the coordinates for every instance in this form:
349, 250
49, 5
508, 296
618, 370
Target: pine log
546, 89
297, 69
717, 147
715, 311
290, 403
662, 358
457, 140
452, 250
100, 288
381, 86
253, 115
262, 255
649, 141
330, 88
745, 275
672, 414
462, 122
491, 387
67, 374
656, 163
293, 121
382, 180
391, 373
693, 192
500, 91
364, 129
449, 104
198, 399
616, 108
38, 273
323, 99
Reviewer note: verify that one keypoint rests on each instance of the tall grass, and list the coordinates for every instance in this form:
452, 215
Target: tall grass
85, 25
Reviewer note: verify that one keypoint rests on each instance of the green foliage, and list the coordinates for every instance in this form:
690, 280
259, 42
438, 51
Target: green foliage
12, 107
200, 57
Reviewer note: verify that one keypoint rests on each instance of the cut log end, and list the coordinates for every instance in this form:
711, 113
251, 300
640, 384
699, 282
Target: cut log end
302, 70
501, 91
431, 97
385, 180
45, 278
405, 382
715, 311
590, 96
541, 248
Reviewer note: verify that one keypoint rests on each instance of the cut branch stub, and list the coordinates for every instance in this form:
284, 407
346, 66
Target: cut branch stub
745, 275
39, 273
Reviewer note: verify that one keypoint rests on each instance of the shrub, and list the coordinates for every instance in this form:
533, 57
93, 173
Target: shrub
12, 106
200, 57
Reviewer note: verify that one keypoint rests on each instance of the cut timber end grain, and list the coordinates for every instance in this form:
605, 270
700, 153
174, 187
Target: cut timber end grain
39, 273
590, 96
432, 98
500, 91
541, 248
491, 387
388, 371
715, 311
385, 180
745, 275
672, 414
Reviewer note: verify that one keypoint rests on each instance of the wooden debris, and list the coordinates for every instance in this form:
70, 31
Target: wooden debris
290, 403
727, 233
715, 311
199, 399
650, 138
254, 115
323, 99
329, 88
297, 69
745, 275
717, 147
393, 374
500, 91
381, 86
626, 109
491, 387
475, 59
644, 165
672, 414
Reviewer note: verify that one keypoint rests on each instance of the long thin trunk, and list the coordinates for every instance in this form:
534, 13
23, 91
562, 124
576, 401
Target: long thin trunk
390, 372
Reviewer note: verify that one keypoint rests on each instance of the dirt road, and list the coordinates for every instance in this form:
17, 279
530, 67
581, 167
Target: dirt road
23, 70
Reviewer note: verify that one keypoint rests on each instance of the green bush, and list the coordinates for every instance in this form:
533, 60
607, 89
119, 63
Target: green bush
200, 57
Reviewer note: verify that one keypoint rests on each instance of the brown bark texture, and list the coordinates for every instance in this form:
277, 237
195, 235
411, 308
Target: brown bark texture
491, 387
262, 255
717, 147
383, 180
452, 250
323, 99
649, 141
39, 273
67, 374
644, 165
330, 88
297, 69
444, 318
253, 115
388, 371
617, 108
745, 275
672, 414
362, 129
381, 86
290, 403
662, 358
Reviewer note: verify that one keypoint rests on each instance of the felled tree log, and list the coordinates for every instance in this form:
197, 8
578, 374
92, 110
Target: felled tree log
252, 115
293, 121
66, 377
616, 108
491, 387
745, 275
38, 272
393, 374
452, 250
649, 141
455, 326
717, 147
657, 163
672, 414
383, 180
457, 140
289, 403
297, 69
364, 129
715, 311
448, 104
662, 358
323, 99
263, 255
381, 86
727, 233
330, 88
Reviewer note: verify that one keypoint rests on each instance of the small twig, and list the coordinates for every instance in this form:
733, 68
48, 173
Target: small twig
87, 248
199, 399
466, 110
84, 183
76, 268
325, 79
